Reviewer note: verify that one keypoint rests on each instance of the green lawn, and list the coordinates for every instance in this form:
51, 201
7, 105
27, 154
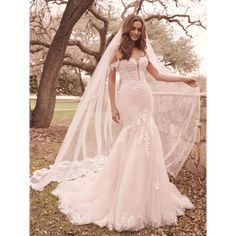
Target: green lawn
60, 104
64, 111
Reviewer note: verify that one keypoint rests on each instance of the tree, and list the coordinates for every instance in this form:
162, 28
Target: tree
174, 53
43, 112
70, 82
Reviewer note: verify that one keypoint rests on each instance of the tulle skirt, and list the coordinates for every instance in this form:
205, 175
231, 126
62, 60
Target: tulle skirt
128, 190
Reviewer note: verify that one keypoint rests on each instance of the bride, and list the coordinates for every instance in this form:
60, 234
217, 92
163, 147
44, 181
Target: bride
124, 184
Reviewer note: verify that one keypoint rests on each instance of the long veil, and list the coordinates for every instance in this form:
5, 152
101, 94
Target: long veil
92, 132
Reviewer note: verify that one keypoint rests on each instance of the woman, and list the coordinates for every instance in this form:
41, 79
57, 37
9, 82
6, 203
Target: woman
130, 189
133, 46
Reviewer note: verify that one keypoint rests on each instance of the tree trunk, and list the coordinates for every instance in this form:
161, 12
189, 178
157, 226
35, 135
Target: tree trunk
44, 109
81, 81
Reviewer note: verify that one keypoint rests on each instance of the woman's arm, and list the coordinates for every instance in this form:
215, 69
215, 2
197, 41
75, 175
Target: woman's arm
112, 88
170, 78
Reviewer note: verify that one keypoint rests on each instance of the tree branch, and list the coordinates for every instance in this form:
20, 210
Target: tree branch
84, 49
89, 67
96, 26
101, 30
163, 5
38, 49
196, 22
173, 19
138, 6
70, 43
38, 42
97, 15
126, 7
38, 64
58, 2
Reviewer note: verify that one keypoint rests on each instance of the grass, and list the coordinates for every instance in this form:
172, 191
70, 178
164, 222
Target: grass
62, 117
60, 105
63, 113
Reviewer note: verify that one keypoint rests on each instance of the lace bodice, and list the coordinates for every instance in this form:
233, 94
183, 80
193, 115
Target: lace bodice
132, 69
135, 96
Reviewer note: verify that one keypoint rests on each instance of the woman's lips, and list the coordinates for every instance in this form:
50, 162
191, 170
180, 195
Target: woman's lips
134, 36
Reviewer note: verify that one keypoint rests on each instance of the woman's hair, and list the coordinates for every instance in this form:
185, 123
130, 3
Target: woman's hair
127, 44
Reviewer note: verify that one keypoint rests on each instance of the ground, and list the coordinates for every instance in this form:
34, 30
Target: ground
46, 219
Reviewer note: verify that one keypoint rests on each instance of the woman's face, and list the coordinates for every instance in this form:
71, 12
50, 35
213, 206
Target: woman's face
135, 31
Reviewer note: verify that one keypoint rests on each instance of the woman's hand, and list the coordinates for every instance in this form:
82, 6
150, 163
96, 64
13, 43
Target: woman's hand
115, 115
191, 82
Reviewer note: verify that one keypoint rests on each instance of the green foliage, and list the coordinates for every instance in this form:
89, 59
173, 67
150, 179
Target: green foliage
177, 53
33, 84
69, 83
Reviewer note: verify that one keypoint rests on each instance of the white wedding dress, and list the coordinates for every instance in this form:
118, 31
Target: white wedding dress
130, 188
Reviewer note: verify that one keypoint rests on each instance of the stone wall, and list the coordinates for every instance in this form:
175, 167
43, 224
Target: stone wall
196, 162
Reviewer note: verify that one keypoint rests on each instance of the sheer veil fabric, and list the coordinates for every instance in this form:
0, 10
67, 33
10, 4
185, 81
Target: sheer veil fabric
115, 175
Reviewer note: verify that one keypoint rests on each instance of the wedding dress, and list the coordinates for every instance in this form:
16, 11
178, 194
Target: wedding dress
130, 188
116, 175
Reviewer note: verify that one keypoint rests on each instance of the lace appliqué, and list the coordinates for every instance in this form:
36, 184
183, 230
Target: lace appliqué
143, 127
132, 69
146, 131
122, 222
68, 170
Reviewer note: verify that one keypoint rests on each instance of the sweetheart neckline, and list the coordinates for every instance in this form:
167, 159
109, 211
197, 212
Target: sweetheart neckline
137, 60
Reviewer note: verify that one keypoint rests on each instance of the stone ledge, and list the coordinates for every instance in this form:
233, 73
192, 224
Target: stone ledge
196, 162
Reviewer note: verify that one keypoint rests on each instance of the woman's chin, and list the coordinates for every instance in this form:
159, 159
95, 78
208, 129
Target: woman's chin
134, 39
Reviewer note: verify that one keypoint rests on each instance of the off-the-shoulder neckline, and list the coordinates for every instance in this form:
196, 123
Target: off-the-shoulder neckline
136, 59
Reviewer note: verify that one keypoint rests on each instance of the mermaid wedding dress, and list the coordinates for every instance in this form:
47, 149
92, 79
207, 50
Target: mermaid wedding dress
130, 188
